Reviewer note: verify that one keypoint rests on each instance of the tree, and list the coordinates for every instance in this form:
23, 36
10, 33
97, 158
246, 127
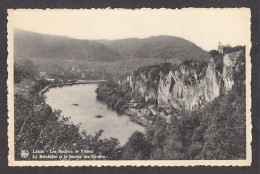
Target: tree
137, 147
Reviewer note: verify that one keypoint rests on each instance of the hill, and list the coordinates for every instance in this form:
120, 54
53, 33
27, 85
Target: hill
161, 47
33, 45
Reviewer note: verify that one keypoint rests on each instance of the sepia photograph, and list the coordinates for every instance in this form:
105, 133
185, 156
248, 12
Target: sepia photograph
120, 87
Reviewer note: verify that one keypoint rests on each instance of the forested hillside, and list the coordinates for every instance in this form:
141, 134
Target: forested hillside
34, 45
195, 110
214, 132
160, 47
43, 46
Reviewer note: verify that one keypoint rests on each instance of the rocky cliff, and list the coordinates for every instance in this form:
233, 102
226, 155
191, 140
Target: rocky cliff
188, 86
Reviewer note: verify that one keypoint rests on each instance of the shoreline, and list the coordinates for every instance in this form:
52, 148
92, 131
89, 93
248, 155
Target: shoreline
68, 84
135, 118
132, 116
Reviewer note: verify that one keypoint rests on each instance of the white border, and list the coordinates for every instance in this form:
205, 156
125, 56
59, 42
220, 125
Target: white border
10, 84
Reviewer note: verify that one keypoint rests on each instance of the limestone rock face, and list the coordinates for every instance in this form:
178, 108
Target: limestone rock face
232, 64
175, 91
189, 86
142, 86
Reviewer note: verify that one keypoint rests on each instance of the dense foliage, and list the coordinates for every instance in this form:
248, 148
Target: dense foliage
200, 67
46, 46
114, 95
22, 71
103, 59
217, 131
38, 127
159, 47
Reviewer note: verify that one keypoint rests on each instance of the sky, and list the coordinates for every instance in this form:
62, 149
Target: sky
204, 27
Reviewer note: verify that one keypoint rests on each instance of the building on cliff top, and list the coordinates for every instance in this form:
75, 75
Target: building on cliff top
221, 48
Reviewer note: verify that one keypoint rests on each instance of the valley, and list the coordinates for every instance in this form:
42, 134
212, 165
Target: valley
189, 103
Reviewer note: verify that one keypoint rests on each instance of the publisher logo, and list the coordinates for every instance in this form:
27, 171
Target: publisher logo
24, 154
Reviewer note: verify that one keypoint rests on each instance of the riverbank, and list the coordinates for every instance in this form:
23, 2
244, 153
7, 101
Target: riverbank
91, 114
39, 126
121, 99
78, 82
136, 115
143, 116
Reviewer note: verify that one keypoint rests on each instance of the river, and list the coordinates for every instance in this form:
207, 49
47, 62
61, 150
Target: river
80, 104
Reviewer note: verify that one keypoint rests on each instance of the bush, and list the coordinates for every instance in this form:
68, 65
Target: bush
44, 129
137, 147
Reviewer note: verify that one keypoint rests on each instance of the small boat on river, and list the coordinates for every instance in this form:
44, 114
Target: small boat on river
99, 116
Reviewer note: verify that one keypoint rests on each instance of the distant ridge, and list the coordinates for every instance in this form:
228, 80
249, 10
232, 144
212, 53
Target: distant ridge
164, 47
34, 45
